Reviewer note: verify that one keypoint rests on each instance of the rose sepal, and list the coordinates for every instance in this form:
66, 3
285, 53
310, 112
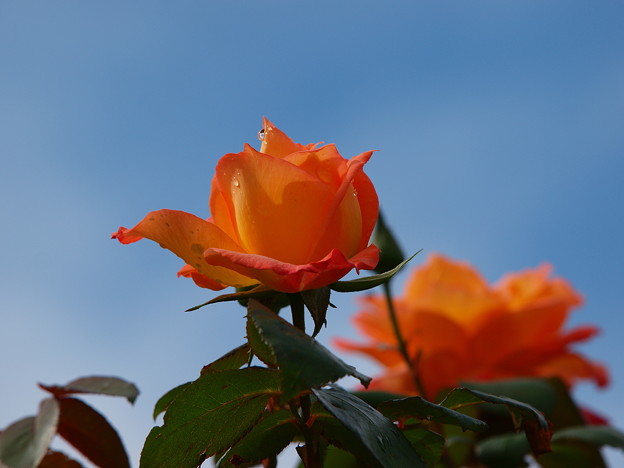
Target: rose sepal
363, 284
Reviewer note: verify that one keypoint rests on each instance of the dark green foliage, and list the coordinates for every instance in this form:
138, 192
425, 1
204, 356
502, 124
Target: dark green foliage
304, 363
209, 416
384, 445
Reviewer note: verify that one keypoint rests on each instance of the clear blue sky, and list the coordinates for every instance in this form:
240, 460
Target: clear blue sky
498, 125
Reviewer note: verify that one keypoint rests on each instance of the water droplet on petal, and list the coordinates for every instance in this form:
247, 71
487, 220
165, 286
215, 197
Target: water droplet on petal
235, 182
261, 134
355, 193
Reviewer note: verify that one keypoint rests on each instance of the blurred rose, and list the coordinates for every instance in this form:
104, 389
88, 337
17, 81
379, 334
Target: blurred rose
291, 217
457, 328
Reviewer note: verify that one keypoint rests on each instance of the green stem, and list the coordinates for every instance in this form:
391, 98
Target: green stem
412, 365
312, 455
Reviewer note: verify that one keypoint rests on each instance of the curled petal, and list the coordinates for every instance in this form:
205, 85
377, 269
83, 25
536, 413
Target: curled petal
572, 367
582, 333
369, 205
188, 237
343, 220
290, 278
276, 143
187, 271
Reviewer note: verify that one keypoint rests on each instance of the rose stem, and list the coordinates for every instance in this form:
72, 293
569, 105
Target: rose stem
312, 453
401, 342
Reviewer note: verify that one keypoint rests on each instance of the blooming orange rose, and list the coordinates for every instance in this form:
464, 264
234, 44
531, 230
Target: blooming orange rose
459, 328
291, 217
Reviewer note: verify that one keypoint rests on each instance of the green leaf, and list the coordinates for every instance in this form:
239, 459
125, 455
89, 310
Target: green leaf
25, 442
510, 450
383, 442
462, 396
594, 435
368, 282
429, 445
317, 301
98, 385
417, 407
91, 434
538, 393
550, 396
338, 458
390, 254
164, 401
577, 449
209, 416
235, 359
375, 398
535, 426
503, 451
268, 438
303, 361
259, 346
577, 455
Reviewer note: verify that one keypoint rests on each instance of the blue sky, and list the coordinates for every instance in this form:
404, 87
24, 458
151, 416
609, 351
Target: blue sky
498, 125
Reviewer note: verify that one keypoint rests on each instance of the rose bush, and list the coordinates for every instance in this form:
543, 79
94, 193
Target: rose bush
291, 217
459, 328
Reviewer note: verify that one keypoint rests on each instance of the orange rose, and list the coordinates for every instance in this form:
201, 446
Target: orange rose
458, 328
291, 217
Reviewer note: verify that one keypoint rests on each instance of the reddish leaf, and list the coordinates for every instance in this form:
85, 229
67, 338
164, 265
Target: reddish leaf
538, 437
98, 385
90, 433
58, 460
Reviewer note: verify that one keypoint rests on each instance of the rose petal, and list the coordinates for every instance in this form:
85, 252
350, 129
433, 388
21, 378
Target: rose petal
343, 225
188, 237
278, 208
533, 287
396, 379
373, 321
276, 143
453, 289
369, 206
572, 367
439, 370
222, 212
325, 163
200, 280
385, 356
287, 277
